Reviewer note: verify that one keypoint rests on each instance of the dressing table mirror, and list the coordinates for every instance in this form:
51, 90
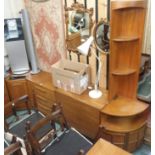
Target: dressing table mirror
79, 23
101, 36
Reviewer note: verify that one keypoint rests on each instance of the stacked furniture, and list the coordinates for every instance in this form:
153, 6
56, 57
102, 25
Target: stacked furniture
123, 120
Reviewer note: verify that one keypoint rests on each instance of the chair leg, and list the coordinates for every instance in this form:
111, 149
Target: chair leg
6, 126
14, 111
81, 152
27, 146
99, 133
28, 108
28, 125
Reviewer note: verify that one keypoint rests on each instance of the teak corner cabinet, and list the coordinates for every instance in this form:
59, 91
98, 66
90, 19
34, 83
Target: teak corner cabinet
121, 116
123, 120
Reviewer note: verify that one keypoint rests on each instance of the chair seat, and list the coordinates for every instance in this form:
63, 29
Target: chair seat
19, 128
69, 144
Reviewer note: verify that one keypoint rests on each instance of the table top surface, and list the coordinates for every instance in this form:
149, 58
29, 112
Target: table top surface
103, 147
44, 79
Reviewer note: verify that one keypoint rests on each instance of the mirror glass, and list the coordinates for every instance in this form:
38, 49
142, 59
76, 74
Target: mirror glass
102, 36
79, 22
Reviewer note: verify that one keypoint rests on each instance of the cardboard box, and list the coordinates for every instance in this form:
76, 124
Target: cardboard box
71, 76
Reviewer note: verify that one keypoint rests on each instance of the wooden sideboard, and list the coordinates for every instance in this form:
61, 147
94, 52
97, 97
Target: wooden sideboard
122, 120
81, 111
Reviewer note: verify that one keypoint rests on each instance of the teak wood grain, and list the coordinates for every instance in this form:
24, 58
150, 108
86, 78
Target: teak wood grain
16, 88
103, 147
6, 94
41, 91
122, 106
127, 27
81, 111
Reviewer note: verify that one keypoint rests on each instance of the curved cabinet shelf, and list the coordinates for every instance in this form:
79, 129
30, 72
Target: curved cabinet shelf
120, 125
121, 5
123, 72
125, 39
124, 107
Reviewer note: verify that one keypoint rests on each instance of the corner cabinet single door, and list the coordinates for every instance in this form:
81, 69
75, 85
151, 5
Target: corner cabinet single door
6, 94
16, 89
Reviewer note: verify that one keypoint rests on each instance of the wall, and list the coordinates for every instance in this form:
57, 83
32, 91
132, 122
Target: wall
102, 13
48, 31
12, 8
147, 35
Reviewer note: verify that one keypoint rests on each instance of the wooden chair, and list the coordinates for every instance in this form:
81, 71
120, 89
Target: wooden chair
19, 126
10, 109
16, 147
13, 149
55, 141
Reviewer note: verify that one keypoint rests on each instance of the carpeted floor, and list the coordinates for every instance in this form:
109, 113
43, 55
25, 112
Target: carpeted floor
142, 150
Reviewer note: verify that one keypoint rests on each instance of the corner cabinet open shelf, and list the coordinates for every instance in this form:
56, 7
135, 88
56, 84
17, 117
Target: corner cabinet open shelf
123, 72
125, 39
127, 27
123, 119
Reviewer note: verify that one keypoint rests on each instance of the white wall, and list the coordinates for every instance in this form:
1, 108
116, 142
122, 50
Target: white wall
12, 8
147, 35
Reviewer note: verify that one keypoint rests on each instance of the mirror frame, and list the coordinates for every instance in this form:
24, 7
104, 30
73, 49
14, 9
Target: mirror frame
39, 1
78, 7
101, 22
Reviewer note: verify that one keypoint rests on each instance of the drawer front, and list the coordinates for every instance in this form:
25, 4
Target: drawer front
31, 93
44, 109
44, 99
79, 115
43, 92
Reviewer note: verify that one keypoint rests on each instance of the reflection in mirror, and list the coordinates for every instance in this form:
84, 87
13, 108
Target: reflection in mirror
102, 36
78, 20
79, 23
